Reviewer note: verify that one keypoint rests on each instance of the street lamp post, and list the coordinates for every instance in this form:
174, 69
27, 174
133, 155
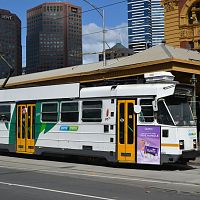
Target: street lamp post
102, 14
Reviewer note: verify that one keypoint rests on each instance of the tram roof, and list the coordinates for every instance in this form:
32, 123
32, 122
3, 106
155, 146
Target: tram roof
155, 89
152, 59
71, 91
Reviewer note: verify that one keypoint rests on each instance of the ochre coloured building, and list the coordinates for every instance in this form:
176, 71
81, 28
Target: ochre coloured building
182, 23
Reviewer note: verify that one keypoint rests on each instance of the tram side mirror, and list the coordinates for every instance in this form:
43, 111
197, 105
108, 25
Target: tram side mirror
137, 109
155, 105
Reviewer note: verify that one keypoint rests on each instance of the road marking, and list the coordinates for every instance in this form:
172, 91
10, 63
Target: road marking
56, 191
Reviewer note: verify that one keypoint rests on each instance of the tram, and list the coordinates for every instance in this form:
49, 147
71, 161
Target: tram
150, 123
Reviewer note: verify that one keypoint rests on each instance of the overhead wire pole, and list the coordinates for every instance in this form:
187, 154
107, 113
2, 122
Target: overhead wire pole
193, 80
11, 70
104, 38
102, 14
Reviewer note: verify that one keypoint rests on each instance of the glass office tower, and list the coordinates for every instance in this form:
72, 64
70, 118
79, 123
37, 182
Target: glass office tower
139, 24
157, 16
145, 24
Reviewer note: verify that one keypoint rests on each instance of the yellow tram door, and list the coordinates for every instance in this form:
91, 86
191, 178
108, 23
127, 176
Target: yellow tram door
126, 131
25, 128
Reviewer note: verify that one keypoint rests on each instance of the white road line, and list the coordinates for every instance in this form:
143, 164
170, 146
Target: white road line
109, 177
56, 191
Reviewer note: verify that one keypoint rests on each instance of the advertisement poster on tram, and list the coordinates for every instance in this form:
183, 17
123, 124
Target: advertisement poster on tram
148, 145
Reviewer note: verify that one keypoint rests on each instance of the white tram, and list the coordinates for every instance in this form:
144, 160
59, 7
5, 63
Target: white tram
148, 123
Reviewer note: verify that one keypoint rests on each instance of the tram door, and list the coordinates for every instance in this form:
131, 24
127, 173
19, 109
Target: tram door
126, 131
25, 128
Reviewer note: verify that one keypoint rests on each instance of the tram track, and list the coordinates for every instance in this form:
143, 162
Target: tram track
75, 166
138, 176
141, 182
72, 170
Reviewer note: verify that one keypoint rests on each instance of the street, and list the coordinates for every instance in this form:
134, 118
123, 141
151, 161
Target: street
24, 178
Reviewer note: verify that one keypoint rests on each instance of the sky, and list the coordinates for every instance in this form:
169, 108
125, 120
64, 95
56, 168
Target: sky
115, 17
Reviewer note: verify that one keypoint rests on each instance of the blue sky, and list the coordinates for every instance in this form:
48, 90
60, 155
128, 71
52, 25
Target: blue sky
115, 16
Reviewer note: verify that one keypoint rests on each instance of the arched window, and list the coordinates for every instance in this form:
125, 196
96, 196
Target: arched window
194, 13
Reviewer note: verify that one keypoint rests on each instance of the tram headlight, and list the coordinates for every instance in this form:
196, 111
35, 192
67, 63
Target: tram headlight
181, 144
194, 143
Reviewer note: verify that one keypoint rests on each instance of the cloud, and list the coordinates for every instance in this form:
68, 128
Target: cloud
92, 41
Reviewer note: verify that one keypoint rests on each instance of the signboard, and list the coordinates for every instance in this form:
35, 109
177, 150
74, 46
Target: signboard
148, 145
68, 128
6, 17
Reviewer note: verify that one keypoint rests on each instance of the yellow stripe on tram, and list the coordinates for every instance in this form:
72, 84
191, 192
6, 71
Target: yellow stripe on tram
170, 145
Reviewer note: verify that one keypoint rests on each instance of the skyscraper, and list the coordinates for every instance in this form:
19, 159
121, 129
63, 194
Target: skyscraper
10, 43
54, 36
145, 24
139, 24
157, 17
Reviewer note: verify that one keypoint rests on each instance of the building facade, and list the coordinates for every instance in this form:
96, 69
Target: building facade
182, 23
10, 43
145, 24
54, 37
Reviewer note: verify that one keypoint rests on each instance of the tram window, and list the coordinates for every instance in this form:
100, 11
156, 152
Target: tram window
5, 112
49, 112
146, 114
69, 112
91, 111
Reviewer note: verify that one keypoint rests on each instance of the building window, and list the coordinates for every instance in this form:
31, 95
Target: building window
146, 114
69, 112
5, 112
50, 112
91, 111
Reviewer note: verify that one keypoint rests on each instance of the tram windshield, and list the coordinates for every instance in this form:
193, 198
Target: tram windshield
175, 111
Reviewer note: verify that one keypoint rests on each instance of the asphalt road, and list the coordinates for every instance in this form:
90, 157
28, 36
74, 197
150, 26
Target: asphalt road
22, 178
